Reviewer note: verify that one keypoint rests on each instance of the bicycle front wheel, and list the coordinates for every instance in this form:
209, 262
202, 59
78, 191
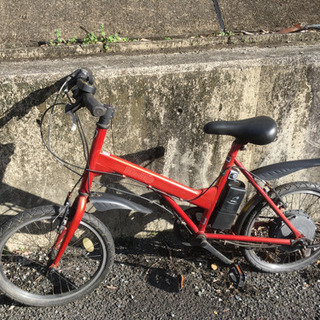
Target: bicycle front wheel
26, 254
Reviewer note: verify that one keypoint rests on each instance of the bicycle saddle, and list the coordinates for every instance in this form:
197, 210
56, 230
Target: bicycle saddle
259, 130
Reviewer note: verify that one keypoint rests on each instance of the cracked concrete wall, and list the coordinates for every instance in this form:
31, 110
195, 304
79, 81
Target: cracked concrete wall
162, 101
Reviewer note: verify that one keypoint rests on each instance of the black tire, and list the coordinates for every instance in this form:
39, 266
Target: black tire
26, 250
303, 208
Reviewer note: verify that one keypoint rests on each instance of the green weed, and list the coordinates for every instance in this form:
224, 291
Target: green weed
226, 34
73, 40
58, 36
90, 38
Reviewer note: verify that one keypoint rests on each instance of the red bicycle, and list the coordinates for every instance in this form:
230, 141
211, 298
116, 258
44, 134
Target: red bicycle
53, 254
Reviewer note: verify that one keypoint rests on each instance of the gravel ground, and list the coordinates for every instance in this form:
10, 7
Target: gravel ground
146, 283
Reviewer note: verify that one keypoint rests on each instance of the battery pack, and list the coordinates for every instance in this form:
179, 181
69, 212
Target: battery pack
226, 210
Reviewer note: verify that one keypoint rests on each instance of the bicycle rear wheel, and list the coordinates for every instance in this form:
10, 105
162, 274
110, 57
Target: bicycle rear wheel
302, 201
26, 253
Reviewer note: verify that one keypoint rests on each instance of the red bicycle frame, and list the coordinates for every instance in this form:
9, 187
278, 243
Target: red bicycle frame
101, 162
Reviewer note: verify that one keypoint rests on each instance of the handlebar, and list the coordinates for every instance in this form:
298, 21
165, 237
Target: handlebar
96, 108
81, 83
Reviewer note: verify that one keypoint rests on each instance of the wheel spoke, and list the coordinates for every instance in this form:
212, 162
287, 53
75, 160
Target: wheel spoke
303, 211
26, 257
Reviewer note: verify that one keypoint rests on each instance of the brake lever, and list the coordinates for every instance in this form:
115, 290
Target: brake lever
74, 125
73, 107
70, 109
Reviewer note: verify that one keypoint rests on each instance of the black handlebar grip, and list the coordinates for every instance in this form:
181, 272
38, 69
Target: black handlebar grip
96, 108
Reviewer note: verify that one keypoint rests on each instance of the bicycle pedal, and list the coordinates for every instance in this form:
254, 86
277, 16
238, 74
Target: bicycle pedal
236, 276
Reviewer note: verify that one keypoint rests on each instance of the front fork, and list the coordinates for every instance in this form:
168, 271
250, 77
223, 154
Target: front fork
67, 233
80, 203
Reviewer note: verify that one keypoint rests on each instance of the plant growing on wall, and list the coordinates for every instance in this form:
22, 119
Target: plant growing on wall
90, 38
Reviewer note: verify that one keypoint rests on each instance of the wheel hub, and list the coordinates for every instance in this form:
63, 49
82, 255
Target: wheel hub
300, 220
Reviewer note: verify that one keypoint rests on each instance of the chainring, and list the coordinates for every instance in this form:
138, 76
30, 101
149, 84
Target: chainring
182, 231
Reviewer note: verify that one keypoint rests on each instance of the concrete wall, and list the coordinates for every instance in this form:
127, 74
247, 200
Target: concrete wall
162, 101
27, 22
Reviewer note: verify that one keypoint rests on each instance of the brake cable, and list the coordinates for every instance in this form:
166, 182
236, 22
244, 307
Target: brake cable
47, 142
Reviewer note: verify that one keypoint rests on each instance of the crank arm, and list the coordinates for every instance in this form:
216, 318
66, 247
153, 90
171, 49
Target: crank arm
203, 243
235, 274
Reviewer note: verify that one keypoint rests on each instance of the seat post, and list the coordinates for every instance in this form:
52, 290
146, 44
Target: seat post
229, 162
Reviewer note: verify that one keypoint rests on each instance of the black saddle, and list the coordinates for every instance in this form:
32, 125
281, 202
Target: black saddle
259, 130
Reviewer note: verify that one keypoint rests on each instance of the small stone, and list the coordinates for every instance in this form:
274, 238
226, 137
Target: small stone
200, 293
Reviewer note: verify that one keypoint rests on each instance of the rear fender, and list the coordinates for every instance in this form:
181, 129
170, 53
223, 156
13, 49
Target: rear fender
107, 201
278, 170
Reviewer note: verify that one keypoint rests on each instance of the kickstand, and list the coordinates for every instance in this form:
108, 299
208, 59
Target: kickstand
236, 276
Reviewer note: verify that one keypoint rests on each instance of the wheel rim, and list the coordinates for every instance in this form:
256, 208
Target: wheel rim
26, 254
263, 224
